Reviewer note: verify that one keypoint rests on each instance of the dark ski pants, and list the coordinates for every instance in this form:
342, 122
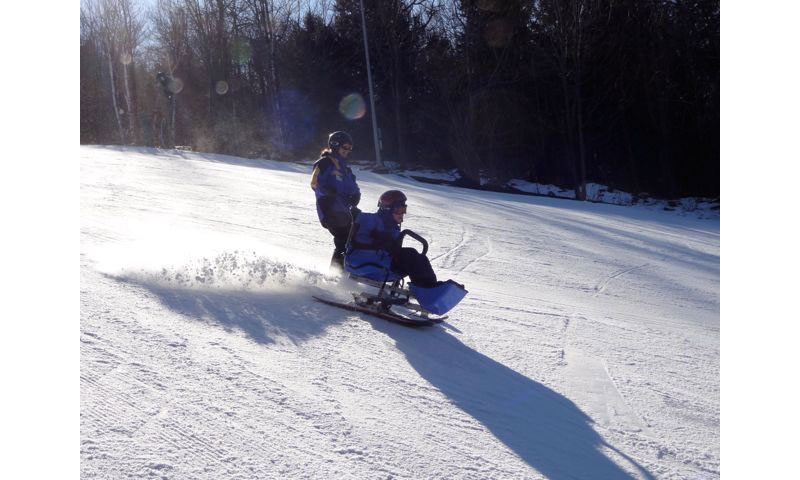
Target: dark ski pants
339, 243
408, 261
340, 238
338, 223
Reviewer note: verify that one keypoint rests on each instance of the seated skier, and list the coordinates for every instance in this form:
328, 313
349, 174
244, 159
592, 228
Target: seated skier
375, 239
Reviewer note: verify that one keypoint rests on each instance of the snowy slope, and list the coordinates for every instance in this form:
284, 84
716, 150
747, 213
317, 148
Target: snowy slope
588, 346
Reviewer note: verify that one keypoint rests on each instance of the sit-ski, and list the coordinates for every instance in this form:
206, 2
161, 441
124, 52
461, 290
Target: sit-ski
425, 306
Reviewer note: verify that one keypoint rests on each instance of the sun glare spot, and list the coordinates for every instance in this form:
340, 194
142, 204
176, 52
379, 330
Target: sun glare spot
175, 85
353, 107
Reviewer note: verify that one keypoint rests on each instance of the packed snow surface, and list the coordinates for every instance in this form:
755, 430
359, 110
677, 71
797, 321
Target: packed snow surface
588, 345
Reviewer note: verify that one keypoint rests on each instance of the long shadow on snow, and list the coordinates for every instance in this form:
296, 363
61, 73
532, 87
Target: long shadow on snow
544, 428
263, 315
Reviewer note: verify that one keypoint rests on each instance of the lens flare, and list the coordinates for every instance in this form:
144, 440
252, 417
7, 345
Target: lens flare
126, 58
353, 107
221, 87
175, 85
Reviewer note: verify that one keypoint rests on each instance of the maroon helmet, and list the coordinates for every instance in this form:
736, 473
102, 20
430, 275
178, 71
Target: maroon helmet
392, 200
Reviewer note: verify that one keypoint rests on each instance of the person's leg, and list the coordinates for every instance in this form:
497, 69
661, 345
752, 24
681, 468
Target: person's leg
337, 261
410, 262
340, 236
338, 224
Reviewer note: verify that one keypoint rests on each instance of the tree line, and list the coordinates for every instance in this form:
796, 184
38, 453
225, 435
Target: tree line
619, 92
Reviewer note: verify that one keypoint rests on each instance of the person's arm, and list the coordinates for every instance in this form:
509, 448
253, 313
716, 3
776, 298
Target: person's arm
354, 195
321, 178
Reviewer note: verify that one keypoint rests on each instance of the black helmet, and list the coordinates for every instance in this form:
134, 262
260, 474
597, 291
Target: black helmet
337, 139
391, 200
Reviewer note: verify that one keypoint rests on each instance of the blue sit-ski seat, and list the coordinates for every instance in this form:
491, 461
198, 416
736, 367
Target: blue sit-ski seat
372, 264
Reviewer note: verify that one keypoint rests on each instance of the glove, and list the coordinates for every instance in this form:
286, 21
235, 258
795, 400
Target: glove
354, 199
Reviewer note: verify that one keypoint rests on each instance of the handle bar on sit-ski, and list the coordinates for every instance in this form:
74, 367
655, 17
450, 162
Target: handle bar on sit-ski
415, 237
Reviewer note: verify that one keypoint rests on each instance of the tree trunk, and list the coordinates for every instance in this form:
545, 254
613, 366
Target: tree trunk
581, 189
581, 192
569, 135
114, 96
129, 104
172, 142
273, 71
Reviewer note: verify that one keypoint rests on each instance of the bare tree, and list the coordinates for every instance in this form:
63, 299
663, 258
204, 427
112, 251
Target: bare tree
170, 31
103, 20
566, 26
265, 25
207, 33
118, 28
319, 8
130, 36
397, 17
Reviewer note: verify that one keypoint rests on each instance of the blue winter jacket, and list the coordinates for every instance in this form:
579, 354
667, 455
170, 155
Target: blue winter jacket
374, 240
334, 185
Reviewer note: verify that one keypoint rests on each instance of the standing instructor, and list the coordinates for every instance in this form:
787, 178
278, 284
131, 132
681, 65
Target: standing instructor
336, 191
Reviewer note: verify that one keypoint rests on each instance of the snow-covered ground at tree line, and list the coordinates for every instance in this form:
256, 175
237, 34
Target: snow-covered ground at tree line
698, 207
588, 346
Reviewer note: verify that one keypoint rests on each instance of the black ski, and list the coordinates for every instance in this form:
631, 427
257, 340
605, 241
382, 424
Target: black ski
392, 317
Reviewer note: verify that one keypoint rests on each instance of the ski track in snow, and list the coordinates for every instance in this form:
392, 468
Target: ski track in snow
602, 286
588, 346
465, 254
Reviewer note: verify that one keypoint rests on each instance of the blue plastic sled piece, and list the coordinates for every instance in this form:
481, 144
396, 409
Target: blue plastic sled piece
439, 299
372, 264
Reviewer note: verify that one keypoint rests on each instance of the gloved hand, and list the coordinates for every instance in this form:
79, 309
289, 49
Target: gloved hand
354, 199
